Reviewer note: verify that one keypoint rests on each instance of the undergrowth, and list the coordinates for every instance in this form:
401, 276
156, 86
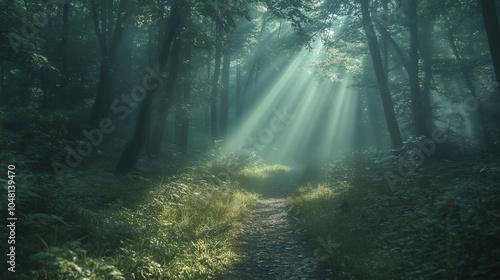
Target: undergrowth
443, 222
171, 222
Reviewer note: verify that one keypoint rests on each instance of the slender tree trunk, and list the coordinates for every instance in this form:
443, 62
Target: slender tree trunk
239, 97
385, 44
63, 99
253, 70
186, 98
206, 107
130, 155
3, 95
103, 100
426, 51
419, 117
224, 104
215, 83
382, 80
166, 99
493, 32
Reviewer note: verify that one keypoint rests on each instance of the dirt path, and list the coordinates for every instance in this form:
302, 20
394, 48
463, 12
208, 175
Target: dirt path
274, 246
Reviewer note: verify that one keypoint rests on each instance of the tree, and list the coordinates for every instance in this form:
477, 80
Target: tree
166, 98
64, 59
224, 106
103, 32
380, 73
419, 116
182, 139
490, 18
130, 154
215, 80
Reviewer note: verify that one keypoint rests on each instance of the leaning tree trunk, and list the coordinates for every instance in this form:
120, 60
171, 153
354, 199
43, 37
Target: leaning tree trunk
215, 82
130, 155
493, 31
383, 83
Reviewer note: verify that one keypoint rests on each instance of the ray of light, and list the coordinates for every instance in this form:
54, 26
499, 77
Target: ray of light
341, 125
260, 114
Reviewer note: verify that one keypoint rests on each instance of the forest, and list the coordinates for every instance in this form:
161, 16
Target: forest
250, 139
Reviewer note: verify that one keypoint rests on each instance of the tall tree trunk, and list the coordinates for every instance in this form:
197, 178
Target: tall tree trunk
3, 95
383, 84
239, 97
253, 70
130, 155
166, 99
224, 102
186, 98
215, 82
108, 56
419, 117
493, 32
63, 99
427, 47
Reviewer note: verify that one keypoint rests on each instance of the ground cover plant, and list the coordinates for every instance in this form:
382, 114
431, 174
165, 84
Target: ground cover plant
442, 223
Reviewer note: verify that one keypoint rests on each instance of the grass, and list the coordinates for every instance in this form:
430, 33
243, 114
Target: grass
175, 220
442, 224
258, 178
96, 224
184, 227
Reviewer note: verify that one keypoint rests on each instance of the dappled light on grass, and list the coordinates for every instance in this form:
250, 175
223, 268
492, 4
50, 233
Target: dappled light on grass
260, 178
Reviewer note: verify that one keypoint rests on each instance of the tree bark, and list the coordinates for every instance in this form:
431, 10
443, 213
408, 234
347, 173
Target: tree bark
239, 97
103, 100
3, 96
419, 117
63, 83
427, 47
130, 155
493, 32
382, 80
186, 100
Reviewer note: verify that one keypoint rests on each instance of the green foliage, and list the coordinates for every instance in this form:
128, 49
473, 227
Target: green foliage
442, 223
71, 262
33, 140
181, 227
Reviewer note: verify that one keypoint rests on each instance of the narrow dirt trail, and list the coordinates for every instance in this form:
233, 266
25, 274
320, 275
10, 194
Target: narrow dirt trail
274, 246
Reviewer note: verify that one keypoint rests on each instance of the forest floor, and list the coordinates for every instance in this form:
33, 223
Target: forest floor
273, 245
